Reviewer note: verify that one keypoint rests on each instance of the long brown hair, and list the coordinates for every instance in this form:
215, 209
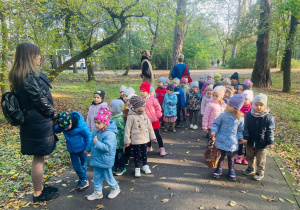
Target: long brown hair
23, 64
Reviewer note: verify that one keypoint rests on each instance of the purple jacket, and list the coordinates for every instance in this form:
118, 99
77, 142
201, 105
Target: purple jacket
92, 113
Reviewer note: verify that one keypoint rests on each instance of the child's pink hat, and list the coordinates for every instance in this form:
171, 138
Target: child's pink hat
210, 82
184, 80
220, 90
103, 116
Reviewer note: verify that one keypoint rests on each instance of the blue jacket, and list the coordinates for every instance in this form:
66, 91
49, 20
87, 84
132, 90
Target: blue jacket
201, 85
169, 105
104, 151
259, 131
78, 138
178, 70
228, 131
180, 97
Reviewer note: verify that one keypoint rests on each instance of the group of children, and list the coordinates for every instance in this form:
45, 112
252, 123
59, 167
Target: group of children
133, 122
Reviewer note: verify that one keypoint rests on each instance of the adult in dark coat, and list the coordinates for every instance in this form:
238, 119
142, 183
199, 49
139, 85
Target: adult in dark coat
147, 71
37, 133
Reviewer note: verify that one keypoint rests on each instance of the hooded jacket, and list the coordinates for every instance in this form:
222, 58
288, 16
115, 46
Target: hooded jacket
93, 110
212, 111
153, 109
120, 123
169, 105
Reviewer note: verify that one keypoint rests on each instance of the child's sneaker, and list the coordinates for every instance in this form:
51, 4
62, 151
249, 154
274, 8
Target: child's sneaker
217, 173
126, 162
146, 169
191, 126
149, 149
120, 171
195, 127
95, 195
162, 151
232, 175
248, 172
258, 176
137, 172
177, 125
245, 162
114, 169
83, 184
174, 130
114, 192
239, 159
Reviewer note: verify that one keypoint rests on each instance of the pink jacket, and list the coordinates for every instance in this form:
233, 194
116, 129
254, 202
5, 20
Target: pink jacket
203, 91
204, 102
212, 111
153, 109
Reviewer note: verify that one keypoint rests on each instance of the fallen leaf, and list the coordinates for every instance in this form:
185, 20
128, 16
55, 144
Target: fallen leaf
187, 152
243, 191
131, 189
72, 190
154, 197
27, 204
69, 196
100, 206
162, 177
154, 166
172, 194
202, 207
180, 161
132, 181
64, 185
15, 176
106, 187
281, 200
58, 181
270, 199
232, 203
165, 200
290, 201
171, 144
168, 188
198, 140
217, 207
264, 197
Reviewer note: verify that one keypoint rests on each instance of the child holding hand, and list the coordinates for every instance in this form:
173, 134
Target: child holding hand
194, 101
170, 108
183, 85
160, 93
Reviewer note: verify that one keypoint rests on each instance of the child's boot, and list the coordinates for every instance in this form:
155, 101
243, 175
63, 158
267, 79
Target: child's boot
137, 172
232, 175
239, 159
217, 173
114, 192
162, 151
95, 195
245, 162
191, 126
146, 169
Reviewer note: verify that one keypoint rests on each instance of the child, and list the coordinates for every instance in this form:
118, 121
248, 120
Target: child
194, 101
167, 81
170, 108
116, 107
180, 99
183, 85
138, 131
121, 91
209, 77
228, 93
228, 134
258, 134
213, 109
153, 111
226, 81
217, 78
78, 136
103, 150
207, 83
249, 83
97, 104
160, 93
248, 95
152, 91
235, 80
242, 87
202, 80
206, 98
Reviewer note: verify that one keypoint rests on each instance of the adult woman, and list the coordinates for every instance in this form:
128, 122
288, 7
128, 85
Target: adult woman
147, 73
37, 133
179, 68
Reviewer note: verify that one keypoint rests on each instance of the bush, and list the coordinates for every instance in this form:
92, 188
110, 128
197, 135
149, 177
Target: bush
295, 64
197, 63
241, 62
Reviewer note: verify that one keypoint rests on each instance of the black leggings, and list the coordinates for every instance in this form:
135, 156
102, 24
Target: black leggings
137, 151
127, 152
230, 159
158, 138
194, 114
242, 149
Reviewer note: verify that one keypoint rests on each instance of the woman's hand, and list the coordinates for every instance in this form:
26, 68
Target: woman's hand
95, 139
242, 141
270, 146
213, 135
127, 145
205, 130
86, 152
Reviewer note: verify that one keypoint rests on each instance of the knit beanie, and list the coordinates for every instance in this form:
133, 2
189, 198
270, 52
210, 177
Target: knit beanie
184, 80
237, 101
204, 77
136, 102
247, 81
63, 119
103, 116
235, 76
218, 75
117, 105
122, 88
220, 90
170, 87
218, 84
209, 87
129, 92
167, 80
195, 83
248, 94
101, 93
245, 87
227, 80
210, 74
176, 80
145, 86
261, 98
210, 82
152, 89
162, 79
230, 89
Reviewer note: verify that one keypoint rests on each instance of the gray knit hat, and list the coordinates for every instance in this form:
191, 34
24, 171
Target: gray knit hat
136, 102
152, 89
176, 80
117, 105
261, 98
122, 88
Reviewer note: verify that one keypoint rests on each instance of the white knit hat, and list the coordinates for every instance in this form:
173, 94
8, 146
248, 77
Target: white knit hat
248, 94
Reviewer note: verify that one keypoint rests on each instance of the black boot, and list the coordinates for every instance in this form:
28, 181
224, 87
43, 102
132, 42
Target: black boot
45, 196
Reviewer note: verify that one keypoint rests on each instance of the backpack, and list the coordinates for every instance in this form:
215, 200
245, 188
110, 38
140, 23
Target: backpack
11, 109
186, 74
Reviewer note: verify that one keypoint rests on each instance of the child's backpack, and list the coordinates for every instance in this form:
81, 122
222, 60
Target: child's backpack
11, 109
212, 154
185, 74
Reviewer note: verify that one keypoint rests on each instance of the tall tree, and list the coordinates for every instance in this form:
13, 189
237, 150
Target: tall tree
3, 63
178, 31
261, 75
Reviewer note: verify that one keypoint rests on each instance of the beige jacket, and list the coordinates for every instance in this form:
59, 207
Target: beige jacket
150, 71
138, 129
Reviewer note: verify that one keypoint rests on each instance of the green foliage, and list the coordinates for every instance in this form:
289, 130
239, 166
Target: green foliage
295, 64
245, 57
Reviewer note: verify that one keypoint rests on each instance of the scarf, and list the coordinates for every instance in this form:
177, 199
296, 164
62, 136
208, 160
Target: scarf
261, 114
146, 99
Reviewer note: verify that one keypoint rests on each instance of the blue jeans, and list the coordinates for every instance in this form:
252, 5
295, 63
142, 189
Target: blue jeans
79, 162
103, 173
119, 159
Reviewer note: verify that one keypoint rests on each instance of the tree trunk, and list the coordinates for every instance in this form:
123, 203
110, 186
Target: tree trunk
238, 19
261, 75
69, 38
287, 57
3, 69
223, 57
178, 31
129, 55
90, 69
155, 38
278, 39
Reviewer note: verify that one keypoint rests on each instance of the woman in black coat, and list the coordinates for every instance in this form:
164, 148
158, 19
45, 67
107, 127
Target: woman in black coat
37, 133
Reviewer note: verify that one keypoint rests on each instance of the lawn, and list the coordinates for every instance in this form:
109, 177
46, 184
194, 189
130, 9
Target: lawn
71, 92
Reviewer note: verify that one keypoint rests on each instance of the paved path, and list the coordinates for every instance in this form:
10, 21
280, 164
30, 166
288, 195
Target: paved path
185, 174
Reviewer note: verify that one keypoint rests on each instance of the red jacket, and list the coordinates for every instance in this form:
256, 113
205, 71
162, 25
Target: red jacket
160, 95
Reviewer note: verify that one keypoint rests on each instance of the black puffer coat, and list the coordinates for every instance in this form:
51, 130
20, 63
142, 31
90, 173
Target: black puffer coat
37, 133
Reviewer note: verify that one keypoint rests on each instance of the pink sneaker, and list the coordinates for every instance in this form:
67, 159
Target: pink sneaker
245, 162
149, 149
162, 151
239, 159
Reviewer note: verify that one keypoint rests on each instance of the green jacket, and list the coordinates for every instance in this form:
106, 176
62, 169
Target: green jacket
120, 122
